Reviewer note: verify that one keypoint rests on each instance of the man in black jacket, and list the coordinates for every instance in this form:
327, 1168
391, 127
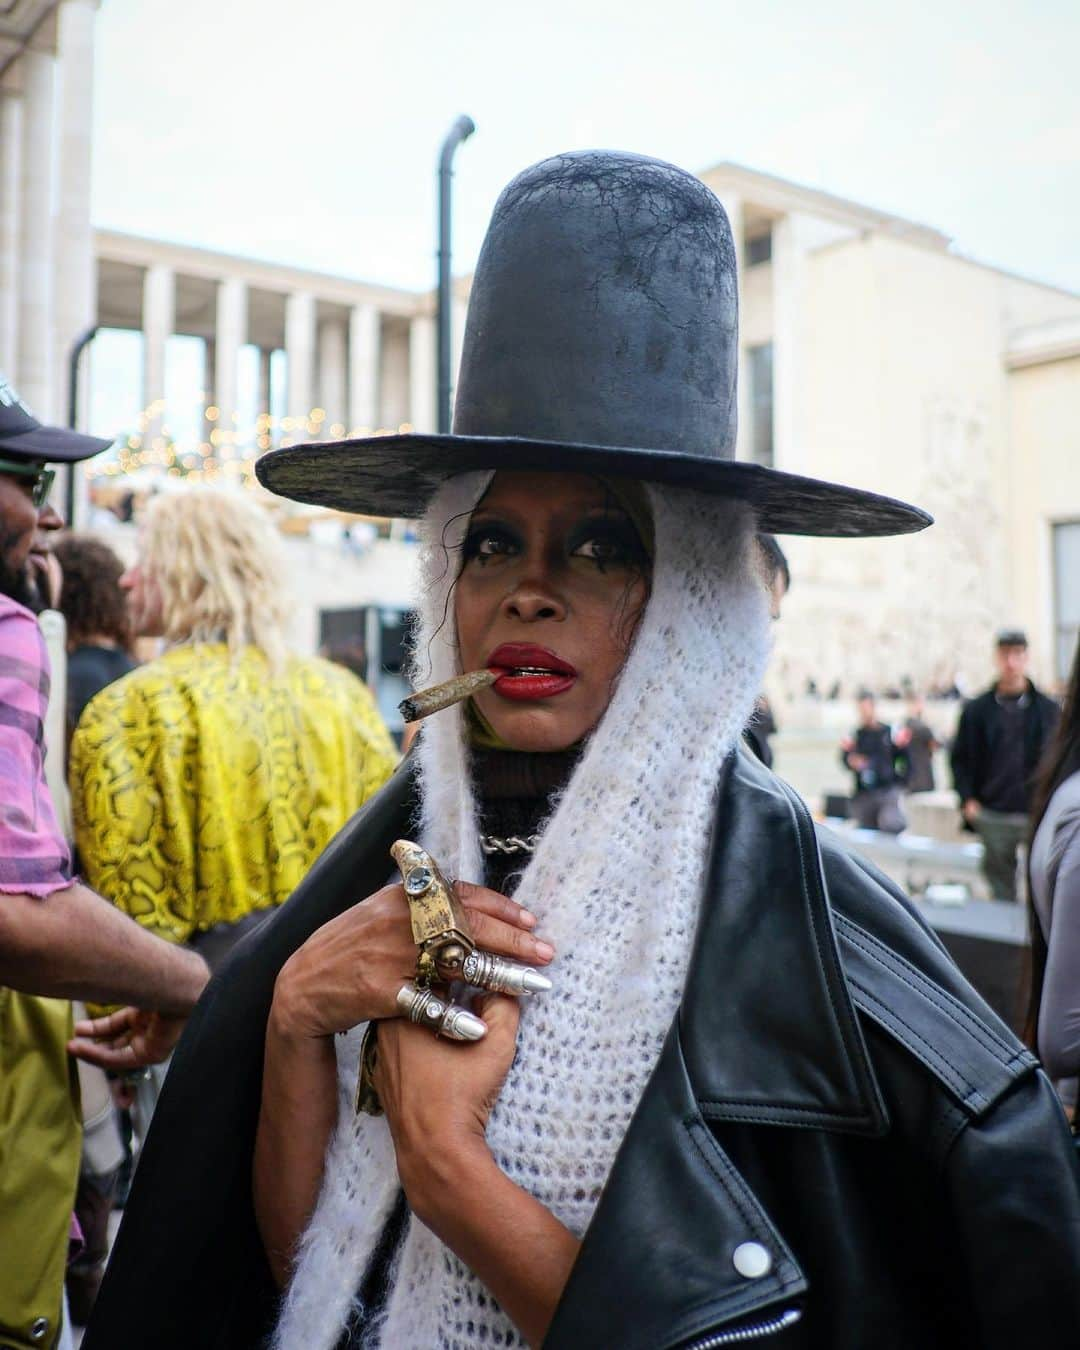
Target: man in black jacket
998, 745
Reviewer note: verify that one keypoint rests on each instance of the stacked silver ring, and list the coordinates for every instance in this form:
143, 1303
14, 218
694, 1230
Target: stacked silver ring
425, 1008
485, 970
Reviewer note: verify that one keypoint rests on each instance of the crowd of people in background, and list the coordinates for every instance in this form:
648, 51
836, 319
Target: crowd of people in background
1001, 738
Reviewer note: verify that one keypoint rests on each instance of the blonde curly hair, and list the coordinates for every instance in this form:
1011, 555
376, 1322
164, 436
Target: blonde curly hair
219, 566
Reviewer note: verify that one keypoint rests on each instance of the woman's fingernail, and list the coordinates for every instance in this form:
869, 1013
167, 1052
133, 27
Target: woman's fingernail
544, 950
527, 918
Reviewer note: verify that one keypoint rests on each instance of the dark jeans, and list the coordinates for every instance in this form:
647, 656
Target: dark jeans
879, 809
1002, 833
93, 1205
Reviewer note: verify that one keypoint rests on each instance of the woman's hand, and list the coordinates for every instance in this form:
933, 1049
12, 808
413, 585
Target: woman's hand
438, 1095
351, 969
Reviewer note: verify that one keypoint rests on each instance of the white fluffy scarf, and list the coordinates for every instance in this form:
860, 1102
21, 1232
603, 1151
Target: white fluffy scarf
616, 883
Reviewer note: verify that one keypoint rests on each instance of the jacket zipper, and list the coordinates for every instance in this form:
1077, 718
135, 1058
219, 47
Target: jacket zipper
757, 1332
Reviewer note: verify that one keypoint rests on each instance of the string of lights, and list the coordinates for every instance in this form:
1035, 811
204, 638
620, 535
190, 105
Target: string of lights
229, 450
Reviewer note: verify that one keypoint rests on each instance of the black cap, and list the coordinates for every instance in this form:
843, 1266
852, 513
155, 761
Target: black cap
23, 437
1012, 637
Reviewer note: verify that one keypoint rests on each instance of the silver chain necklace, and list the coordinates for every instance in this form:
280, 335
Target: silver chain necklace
513, 843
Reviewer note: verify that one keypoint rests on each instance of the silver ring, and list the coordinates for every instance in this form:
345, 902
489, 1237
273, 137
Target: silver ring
424, 1008
485, 970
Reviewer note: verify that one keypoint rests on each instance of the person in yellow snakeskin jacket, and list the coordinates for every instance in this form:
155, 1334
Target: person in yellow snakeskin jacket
207, 782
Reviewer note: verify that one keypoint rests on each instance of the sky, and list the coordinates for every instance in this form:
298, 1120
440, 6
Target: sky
308, 133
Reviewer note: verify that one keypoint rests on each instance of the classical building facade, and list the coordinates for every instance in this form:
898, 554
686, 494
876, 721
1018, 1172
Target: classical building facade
47, 269
361, 354
872, 354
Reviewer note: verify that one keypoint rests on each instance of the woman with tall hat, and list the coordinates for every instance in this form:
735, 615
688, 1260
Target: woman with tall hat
745, 1094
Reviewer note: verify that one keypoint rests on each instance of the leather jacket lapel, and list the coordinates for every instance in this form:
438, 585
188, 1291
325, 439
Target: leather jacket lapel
700, 1212
769, 1030
766, 1033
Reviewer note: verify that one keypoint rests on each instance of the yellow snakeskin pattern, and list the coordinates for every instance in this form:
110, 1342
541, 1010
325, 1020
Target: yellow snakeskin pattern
204, 789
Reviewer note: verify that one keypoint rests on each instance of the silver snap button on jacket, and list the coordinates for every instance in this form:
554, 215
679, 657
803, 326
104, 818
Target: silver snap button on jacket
751, 1260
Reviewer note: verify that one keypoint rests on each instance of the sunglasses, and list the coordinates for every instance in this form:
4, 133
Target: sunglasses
41, 478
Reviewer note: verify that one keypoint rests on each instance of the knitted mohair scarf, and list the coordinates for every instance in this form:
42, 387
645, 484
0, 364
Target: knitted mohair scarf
616, 882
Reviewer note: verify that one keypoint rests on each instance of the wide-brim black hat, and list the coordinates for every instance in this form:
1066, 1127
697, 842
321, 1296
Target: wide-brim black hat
601, 338
22, 436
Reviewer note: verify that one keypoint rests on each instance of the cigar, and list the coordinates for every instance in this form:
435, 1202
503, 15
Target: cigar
440, 696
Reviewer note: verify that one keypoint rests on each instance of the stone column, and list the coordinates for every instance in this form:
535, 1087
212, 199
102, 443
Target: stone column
458, 312
158, 320
34, 378
394, 375
299, 352
744, 444
76, 276
422, 394
263, 397
332, 338
11, 135
364, 359
789, 302
209, 383
230, 335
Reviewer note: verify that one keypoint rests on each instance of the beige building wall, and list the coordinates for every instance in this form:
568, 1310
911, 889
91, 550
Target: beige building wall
1044, 488
902, 388
893, 360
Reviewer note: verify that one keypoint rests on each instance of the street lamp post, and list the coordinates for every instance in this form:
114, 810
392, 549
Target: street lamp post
77, 347
462, 129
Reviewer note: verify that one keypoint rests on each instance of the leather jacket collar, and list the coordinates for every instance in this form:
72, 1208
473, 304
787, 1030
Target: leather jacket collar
765, 972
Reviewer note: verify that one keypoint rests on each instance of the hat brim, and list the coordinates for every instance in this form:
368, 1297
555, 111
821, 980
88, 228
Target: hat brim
397, 475
54, 445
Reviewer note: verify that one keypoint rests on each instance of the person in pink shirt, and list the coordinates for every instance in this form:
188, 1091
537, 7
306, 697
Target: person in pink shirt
58, 939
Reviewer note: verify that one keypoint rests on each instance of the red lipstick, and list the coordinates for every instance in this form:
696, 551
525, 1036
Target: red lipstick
532, 672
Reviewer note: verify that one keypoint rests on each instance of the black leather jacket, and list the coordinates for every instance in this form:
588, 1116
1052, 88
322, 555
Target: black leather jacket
834, 1111
835, 1092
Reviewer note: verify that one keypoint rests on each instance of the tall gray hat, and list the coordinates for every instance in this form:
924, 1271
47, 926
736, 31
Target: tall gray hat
601, 338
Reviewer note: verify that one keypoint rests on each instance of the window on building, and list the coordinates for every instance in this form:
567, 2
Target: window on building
1066, 594
370, 641
761, 404
759, 247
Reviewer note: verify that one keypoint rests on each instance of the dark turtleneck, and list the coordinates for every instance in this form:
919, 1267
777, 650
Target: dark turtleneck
514, 794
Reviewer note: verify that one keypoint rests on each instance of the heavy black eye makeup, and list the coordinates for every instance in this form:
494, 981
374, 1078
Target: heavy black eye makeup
489, 539
606, 539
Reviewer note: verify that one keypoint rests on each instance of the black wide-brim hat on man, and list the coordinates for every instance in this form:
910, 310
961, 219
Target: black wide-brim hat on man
601, 338
23, 437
